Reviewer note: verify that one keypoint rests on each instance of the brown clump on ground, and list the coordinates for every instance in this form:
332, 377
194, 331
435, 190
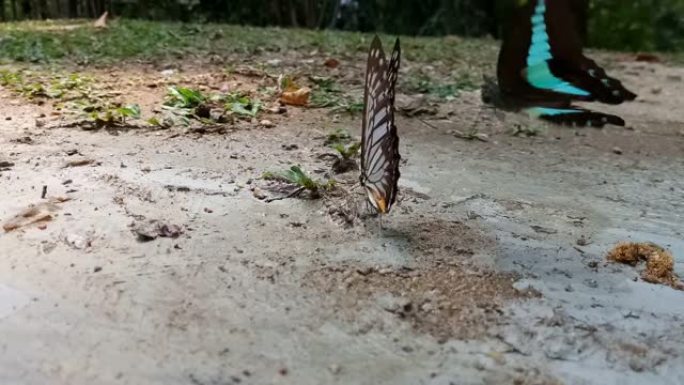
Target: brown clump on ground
659, 262
446, 293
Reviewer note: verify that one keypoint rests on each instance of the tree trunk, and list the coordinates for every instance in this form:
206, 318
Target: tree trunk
293, 14
25, 9
43, 10
72, 8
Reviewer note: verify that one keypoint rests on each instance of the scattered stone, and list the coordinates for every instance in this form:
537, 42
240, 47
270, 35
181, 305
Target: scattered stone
259, 193
78, 163
267, 123
394, 304
153, 229
77, 242
582, 241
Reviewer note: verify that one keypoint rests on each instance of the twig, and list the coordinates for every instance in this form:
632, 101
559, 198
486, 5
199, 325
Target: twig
290, 195
431, 125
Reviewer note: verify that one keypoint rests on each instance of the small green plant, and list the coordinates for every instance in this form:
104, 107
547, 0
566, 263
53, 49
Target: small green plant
242, 105
166, 122
328, 94
298, 177
340, 135
46, 85
346, 162
10, 78
349, 106
113, 116
325, 94
183, 97
444, 89
349, 151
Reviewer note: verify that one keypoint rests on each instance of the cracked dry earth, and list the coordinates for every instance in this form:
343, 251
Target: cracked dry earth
491, 269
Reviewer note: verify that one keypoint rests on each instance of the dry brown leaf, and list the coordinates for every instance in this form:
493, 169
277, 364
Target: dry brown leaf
647, 57
331, 63
299, 97
41, 212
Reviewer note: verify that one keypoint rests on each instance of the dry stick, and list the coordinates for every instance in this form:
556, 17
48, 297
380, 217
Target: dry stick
44, 193
290, 195
431, 125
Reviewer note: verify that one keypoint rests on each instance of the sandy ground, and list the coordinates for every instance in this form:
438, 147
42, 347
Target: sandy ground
491, 269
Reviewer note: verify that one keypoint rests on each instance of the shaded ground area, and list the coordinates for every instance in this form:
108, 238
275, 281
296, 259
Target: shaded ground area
166, 265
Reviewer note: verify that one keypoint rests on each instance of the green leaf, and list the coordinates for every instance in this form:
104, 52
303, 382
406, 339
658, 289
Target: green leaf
296, 176
153, 121
242, 105
129, 111
183, 97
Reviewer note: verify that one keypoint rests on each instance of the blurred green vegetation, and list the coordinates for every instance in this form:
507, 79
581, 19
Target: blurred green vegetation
615, 24
637, 24
77, 41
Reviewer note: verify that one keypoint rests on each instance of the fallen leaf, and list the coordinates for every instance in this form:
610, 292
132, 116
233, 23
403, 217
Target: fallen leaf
332, 63
299, 97
42, 212
416, 106
647, 57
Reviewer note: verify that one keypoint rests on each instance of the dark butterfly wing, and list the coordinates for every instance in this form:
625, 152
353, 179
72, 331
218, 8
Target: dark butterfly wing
562, 19
541, 61
379, 141
576, 117
587, 75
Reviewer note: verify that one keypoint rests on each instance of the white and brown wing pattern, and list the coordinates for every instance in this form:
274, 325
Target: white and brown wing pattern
379, 142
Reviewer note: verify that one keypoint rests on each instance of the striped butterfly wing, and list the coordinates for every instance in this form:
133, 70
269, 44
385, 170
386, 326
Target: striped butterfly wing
379, 142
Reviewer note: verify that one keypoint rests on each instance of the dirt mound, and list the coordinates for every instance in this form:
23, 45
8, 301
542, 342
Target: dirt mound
447, 294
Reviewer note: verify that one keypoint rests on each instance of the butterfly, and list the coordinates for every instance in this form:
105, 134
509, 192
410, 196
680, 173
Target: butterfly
379, 141
542, 69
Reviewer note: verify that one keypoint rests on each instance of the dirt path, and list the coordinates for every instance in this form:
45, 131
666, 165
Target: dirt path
491, 269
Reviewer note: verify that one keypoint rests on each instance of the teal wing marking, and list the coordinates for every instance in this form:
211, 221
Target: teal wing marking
538, 72
537, 112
